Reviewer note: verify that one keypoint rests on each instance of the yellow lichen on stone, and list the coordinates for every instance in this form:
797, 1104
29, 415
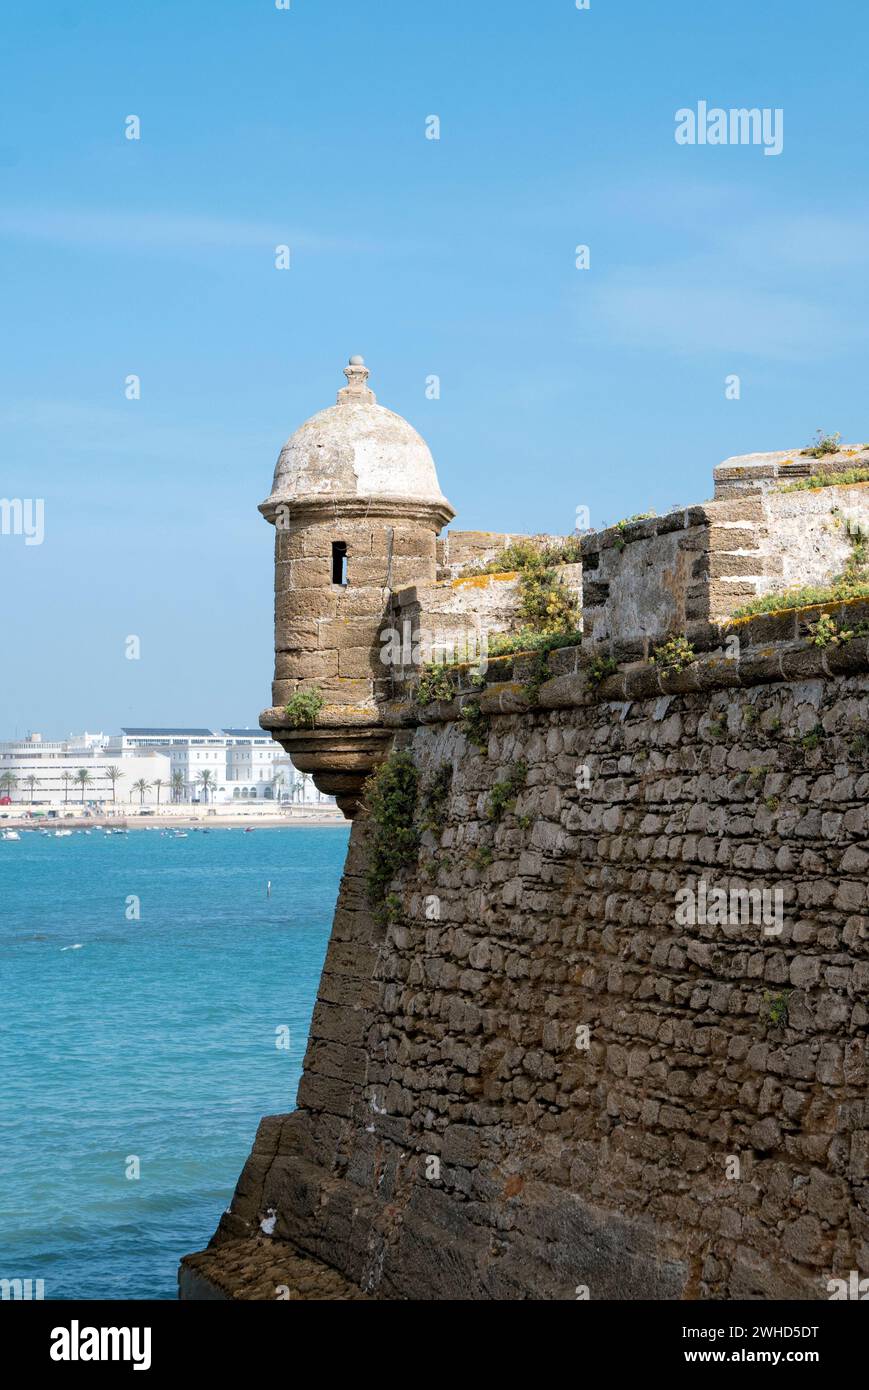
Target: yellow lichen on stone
481, 581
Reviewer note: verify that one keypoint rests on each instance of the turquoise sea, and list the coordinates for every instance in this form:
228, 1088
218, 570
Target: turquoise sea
150, 1039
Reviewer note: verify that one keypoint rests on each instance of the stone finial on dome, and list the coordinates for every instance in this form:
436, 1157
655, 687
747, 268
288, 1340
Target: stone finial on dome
358, 452
356, 389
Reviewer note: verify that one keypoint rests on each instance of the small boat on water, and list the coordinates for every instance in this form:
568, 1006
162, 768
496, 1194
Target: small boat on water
10, 835
61, 834
180, 835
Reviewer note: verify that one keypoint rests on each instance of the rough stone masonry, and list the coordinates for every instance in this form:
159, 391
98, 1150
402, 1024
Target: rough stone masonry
538, 1078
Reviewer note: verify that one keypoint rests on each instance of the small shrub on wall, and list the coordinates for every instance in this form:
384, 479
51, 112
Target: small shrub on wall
390, 798
303, 707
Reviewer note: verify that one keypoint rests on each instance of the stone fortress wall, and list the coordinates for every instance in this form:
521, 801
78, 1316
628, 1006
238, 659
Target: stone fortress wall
556, 1066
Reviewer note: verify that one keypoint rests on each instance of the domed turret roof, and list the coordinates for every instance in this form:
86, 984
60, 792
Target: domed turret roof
356, 449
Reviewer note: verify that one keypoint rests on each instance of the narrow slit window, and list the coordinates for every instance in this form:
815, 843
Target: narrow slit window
339, 562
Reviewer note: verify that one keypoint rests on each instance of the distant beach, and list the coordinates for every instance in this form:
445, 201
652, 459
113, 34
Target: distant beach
178, 818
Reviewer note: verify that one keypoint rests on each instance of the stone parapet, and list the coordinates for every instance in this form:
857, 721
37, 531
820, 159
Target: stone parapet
765, 648
459, 551
647, 580
752, 473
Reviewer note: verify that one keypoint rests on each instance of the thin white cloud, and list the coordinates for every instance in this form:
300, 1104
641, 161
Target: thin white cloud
107, 229
777, 283
811, 242
59, 429
672, 313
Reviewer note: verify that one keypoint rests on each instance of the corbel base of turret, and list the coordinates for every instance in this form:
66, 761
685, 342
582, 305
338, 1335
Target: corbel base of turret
340, 760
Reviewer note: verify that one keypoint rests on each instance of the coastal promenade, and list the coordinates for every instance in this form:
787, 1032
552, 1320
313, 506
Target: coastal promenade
173, 817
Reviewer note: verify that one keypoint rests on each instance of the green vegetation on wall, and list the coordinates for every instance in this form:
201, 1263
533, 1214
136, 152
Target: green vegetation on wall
823, 444
475, 724
303, 707
673, 655
599, 668
847, 477
434, 798
546, 605
435, 683
777, 1007
526, 640
390, 798
502, 797
537, 675
524, 554
622, 526
852, 583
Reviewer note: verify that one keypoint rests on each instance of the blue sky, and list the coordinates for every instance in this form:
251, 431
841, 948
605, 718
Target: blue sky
559, 387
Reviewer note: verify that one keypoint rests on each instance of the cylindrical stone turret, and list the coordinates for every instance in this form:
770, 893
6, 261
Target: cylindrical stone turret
356, 507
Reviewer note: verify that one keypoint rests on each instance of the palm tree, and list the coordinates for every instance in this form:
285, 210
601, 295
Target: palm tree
31, 779
276, 783
158, 783
8, 783
84, 779
114, 775
206, 781
177, 785
141, 787
65, 777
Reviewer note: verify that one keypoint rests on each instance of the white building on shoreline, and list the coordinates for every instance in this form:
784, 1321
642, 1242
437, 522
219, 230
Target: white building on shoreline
192, 754
175, 764
77, 771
